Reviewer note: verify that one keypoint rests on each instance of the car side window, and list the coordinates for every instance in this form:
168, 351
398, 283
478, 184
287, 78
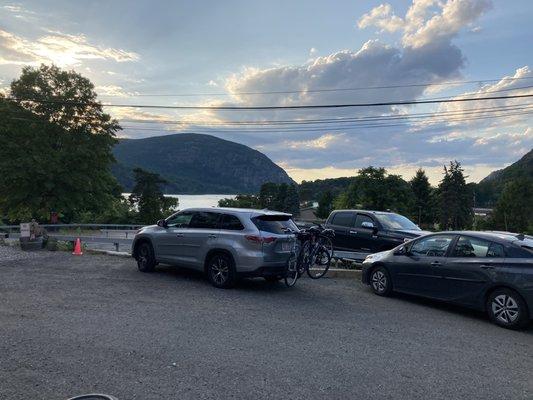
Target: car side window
180, 220
342, 219
496, 251
230, 223
432, 246
204, 220
471, 247
362, 218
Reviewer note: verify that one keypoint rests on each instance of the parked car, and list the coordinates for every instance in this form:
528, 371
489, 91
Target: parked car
487, 271
370, 231
224, 243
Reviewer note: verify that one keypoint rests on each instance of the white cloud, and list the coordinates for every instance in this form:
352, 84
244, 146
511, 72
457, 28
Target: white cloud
382, 17
59, 48
427, 21
113, 91
323, 142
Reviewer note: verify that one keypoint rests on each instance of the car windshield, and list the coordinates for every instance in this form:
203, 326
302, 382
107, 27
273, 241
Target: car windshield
396, 222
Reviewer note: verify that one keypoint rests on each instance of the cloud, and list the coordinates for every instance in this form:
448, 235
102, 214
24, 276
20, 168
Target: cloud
56, 47
427, 21
113, 91
381, 17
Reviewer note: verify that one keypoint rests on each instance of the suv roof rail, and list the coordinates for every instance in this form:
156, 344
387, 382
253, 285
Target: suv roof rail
520, 236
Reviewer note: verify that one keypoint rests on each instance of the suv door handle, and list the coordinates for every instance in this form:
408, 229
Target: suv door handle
353, 232
179, 234
212, 236
436, 263
487, 267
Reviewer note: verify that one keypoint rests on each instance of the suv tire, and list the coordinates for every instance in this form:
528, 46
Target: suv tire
221, 271
506, 308
145, 257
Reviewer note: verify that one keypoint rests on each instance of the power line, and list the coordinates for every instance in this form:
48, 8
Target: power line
295, 107
328, 129
334, 120
320, 90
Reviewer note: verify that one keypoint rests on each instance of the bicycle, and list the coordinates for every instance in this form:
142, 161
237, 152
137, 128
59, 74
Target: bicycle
321, 251
312, 254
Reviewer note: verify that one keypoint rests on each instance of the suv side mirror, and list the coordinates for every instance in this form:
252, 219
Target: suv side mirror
162, 223
367, 224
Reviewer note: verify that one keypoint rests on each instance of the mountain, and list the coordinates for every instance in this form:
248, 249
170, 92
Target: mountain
196, 164
489, 188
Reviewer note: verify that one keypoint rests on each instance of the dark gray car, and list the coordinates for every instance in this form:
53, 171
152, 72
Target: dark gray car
488, 271
225, 243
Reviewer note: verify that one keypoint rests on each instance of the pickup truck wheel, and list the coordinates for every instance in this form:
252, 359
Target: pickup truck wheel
221, 271
145, 258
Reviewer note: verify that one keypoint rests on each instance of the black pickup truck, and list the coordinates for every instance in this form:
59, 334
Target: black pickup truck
370, 231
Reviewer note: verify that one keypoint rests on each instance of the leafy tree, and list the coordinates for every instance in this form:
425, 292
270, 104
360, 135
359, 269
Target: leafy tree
268, 195
455, 199
291, 203
55, 155
514, 210
147, 197
325, 205
240, 201
423, 210
373, 189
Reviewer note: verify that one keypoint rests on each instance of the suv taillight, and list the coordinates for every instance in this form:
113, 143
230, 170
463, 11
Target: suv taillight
260, 239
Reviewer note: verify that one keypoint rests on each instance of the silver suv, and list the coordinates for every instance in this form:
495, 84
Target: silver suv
225, 243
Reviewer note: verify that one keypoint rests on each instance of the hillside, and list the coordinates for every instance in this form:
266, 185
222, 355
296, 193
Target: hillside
489, 188
197, 164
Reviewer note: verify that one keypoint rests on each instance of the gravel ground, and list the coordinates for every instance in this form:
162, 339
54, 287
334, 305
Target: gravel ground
71, 325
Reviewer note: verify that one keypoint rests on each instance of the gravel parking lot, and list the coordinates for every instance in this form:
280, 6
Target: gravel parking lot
70, 325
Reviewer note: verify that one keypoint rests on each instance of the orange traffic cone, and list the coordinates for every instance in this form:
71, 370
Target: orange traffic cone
77, 248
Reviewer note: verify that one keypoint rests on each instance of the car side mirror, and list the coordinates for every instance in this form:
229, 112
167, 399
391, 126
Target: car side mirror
162, 223
401, 251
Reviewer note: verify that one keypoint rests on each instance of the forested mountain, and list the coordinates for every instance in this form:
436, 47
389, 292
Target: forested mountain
489, 189
197, 164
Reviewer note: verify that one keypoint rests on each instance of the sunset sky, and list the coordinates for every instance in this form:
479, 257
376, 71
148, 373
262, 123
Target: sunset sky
323, 52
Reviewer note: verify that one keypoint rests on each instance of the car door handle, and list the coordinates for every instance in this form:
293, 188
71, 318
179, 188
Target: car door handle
487, 267
179, 234
353, 232
436, 263
211, 236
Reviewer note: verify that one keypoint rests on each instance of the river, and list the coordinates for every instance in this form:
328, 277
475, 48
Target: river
196, 200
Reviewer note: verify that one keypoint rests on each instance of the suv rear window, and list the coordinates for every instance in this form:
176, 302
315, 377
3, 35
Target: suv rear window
275, 224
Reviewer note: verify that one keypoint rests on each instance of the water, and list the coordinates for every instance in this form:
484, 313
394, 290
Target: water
197, 200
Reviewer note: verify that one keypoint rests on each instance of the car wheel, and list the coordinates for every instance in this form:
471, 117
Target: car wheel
380, 281
145, 258
507, 308
221, 271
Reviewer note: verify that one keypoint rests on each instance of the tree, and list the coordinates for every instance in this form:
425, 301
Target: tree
514, 210
55, 154
147, 197
325, 205
455, 199
291, 203
423, 204
268, 195
373, 189
240, 201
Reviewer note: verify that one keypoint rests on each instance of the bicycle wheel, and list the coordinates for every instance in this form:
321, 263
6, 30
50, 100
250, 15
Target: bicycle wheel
304, 259
291, 276
321, 258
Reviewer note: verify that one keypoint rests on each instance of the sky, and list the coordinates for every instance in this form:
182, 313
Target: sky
236, 53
